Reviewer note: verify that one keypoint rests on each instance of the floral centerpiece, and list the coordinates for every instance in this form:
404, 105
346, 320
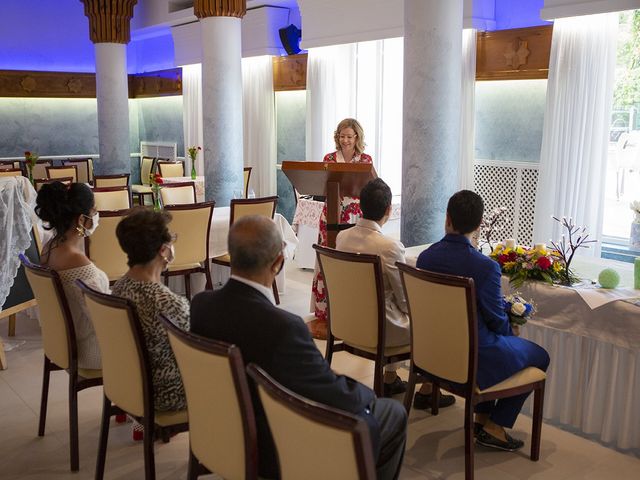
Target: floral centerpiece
522, 263
193, 153
155, 180
634, 238
518, 310
491, 224
575, 238
30, 161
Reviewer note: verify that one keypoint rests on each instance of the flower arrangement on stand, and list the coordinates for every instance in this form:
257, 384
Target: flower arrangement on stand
568, 245
521, 264
193, 153
518, 310
30, 161
634, 238
156, 184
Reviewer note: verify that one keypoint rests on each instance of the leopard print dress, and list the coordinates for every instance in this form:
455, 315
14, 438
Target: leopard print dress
151, 299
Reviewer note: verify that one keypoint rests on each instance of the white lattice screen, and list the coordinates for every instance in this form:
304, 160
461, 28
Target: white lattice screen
511, 185
159, 150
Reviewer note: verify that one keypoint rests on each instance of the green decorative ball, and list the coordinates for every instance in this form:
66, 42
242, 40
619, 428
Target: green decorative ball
609, 278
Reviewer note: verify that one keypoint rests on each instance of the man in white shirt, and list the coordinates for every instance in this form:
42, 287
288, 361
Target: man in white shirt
367, 237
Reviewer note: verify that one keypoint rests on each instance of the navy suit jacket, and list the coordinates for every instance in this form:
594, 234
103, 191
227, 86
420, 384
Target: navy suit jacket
500, 354
280, 343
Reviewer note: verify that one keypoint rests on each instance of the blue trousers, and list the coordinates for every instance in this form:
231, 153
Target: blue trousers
505, 410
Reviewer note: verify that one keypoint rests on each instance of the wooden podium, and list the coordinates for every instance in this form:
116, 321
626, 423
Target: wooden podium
333, 180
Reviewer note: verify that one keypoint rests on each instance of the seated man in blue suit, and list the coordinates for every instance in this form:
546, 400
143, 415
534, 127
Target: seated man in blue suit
243, 312
500, 353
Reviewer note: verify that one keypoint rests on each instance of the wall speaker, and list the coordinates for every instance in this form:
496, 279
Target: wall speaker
290, 39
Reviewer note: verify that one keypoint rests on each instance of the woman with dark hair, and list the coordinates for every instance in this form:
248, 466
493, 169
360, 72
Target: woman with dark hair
145, 238
70, 212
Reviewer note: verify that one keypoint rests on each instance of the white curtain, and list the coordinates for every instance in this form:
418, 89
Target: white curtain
467, 111
259, 123
576, 122
331, 79
192, 113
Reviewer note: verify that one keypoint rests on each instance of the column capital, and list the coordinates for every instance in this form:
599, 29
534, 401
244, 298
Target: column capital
219, 8
109, 20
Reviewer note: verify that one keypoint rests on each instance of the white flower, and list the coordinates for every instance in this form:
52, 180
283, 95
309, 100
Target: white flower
518, 309
635, 206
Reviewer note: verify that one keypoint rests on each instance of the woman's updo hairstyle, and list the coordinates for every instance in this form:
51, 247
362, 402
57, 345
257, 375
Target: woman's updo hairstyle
58, 206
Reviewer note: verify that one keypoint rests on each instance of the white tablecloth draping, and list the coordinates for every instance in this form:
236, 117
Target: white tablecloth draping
306, 222
593, 382
199, 184
17, 199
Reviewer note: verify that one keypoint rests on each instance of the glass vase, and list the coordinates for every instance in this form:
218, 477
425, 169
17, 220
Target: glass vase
157, 205
30, 173
193, 169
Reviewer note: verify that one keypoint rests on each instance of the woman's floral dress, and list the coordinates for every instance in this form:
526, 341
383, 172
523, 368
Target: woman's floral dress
350, 212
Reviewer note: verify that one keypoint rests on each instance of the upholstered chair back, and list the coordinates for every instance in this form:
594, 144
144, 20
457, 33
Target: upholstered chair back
119, 180
64, 171
182, 193
265, 206
171, 169
112, 198
102, 246
192, 224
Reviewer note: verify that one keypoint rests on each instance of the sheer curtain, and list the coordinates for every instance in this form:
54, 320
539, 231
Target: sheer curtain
574, 141
331, 78
192, 112
259, 123
467, 112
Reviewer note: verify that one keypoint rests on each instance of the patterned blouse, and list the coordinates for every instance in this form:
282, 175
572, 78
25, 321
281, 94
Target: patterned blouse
88, 350
152, 298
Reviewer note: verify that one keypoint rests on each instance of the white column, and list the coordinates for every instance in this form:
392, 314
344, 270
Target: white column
431, 123
112, 93
222, 108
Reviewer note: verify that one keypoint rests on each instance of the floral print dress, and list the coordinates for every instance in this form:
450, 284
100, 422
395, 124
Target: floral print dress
350, 212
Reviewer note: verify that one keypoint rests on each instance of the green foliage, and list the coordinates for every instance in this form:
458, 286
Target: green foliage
627, 90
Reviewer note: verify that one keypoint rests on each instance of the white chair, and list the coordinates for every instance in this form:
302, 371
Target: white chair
178, 193
63, 172
84, 168
116, 180
112, 198
103, 248
171, 169
147, 167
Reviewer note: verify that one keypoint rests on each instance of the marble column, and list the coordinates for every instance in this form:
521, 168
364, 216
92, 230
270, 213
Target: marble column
431, 116
222, 97
109, 30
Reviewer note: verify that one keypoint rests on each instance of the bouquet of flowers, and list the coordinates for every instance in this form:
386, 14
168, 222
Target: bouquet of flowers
518, 310
156, 181
193, 153
30, 161
521, 264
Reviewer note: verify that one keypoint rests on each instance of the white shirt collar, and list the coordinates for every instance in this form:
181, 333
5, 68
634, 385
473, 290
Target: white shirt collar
363, 222
267, 292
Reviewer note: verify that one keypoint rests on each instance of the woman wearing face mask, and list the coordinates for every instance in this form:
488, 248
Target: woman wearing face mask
145, 238
70, 212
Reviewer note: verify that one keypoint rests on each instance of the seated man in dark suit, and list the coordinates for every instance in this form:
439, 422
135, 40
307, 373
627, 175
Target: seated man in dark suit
243, 312
500, 353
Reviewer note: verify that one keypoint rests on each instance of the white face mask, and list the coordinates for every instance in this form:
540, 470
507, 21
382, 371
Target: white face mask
172, 254
95, 219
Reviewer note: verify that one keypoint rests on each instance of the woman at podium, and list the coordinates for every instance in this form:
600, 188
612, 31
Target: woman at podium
349, 140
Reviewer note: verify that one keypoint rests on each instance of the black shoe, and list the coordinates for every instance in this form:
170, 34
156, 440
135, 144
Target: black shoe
422, 401
395, 387
477, 428
488, 440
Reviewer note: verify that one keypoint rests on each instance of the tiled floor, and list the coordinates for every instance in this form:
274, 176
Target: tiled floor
435, 447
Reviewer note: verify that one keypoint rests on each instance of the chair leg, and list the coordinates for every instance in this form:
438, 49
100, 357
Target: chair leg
187, 286
411, 387
194, 466
276, 294
12, 325
149, 461
536, 430
166, 280
207, 272
378, 385
328, 355
435, 398
73, 422
468, 439
45, 396
104, 437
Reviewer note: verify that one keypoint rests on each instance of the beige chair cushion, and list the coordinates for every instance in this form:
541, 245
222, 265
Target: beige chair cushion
388, 351
165, 419
69, 171
171, 169
353, 306
146, 164
299, 440
191, 225
105, 251
174, 267
113, 182
523, 377
141, 189
262, 209
440, 329
10, 173
89, 373
116, 200
177, 195
226, 258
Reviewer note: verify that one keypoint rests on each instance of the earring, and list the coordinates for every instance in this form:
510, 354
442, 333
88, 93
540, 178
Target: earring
80, 230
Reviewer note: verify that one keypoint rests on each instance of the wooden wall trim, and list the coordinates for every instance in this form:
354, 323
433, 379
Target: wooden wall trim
516, 54
290, 72
22, 83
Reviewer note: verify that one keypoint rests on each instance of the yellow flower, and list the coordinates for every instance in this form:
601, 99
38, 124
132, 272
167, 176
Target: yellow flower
509, 265
519, 250
557, 266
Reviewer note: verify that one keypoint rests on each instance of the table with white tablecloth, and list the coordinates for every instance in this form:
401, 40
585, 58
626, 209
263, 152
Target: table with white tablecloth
593, 382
